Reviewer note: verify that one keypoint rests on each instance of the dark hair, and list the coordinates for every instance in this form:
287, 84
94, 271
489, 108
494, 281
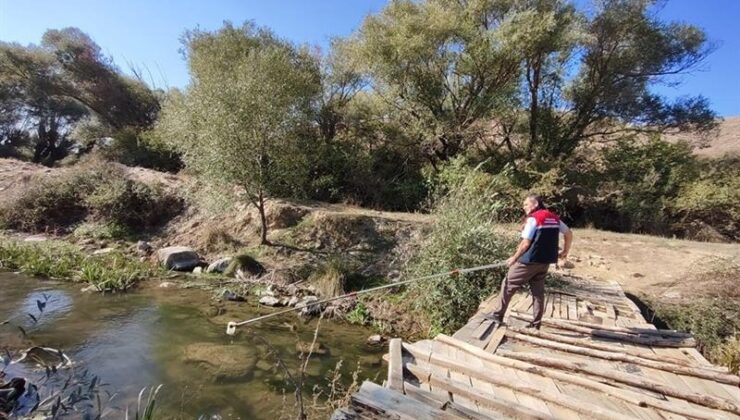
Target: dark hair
538, 199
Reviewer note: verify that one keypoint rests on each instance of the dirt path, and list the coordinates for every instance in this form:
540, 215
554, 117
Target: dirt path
659, 267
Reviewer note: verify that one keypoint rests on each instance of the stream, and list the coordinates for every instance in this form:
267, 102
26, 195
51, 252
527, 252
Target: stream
173, 337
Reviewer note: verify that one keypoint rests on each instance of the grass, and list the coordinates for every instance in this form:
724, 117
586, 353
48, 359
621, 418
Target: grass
52, 259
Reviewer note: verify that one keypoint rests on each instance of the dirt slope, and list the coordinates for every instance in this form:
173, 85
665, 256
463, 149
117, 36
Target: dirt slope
664, 268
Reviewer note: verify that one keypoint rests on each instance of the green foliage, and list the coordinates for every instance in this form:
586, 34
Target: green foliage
132, 147
243, 262
728, 354
638, 182
45, 90
713, 198
465, 235
104, 231
238, 120
96, 190
710, 321
51, 259
359, 315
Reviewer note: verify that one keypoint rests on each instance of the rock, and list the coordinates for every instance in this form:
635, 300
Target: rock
637, 275
198, 270
245, 263
568, 264
104, 251
222, 362
166, 284
267, 292
293, 301
219, 266
178, 258
375, 339
307, 310
90, 289
44, 356
305, 347
143, 248
284, 301
233, 297
269, 301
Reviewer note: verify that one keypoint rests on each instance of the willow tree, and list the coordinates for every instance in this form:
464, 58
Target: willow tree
444, 65
236, 123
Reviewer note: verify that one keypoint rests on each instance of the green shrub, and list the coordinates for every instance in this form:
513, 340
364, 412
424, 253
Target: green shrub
713, 199
132, 147
711, 321
132, 204
95, 189
359, 315
464, 235
728, 354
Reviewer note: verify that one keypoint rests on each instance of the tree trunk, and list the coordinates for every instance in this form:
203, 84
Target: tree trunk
263, 219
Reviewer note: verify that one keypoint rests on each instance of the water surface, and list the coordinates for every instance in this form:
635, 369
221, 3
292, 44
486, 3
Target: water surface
147, 338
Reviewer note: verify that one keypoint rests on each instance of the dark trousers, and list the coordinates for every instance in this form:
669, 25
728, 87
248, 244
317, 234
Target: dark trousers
520, 274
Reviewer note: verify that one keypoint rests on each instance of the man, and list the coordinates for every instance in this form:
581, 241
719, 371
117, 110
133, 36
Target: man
529, 264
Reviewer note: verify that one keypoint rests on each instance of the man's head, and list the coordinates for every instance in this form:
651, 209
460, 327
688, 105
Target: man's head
532, 202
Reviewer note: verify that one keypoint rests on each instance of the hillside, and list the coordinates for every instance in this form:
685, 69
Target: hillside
726, 141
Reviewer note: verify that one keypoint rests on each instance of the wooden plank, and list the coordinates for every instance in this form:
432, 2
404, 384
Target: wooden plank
447, 352
626, 378
621, 357
428, 398
395, 365
628, 395
476, 383
396, 405
611, 313
506, 407
637, 339
496, 339
572, 308
523, 387
482, 329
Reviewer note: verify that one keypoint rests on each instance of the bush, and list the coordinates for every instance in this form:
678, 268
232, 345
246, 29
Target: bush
464, 235
96, 190
713, 199
132, 147
711, 321
728, 354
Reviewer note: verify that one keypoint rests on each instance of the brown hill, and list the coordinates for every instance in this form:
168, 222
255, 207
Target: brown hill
726, 140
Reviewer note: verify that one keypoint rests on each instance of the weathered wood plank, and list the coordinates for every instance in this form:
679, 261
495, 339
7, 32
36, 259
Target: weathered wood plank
627, 395
393, 404
522, 387
506, 407
626, 378
637, 339
395, 365
621, 357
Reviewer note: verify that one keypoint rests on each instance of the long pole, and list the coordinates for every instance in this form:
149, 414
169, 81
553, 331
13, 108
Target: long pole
231, 326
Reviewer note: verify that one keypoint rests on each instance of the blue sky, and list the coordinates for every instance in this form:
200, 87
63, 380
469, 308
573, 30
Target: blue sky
146, 33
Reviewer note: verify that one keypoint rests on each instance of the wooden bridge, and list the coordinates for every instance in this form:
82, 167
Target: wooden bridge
595, 357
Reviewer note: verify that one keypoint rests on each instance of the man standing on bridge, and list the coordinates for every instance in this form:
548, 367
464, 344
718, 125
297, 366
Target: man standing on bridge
529, 264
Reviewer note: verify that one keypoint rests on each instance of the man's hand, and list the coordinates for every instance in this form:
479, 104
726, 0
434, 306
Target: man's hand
510, 261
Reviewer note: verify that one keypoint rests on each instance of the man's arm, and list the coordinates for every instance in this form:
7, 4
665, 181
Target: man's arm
530, 227
568, 235
520, 250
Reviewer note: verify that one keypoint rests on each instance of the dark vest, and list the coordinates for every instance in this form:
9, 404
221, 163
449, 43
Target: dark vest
544, 247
